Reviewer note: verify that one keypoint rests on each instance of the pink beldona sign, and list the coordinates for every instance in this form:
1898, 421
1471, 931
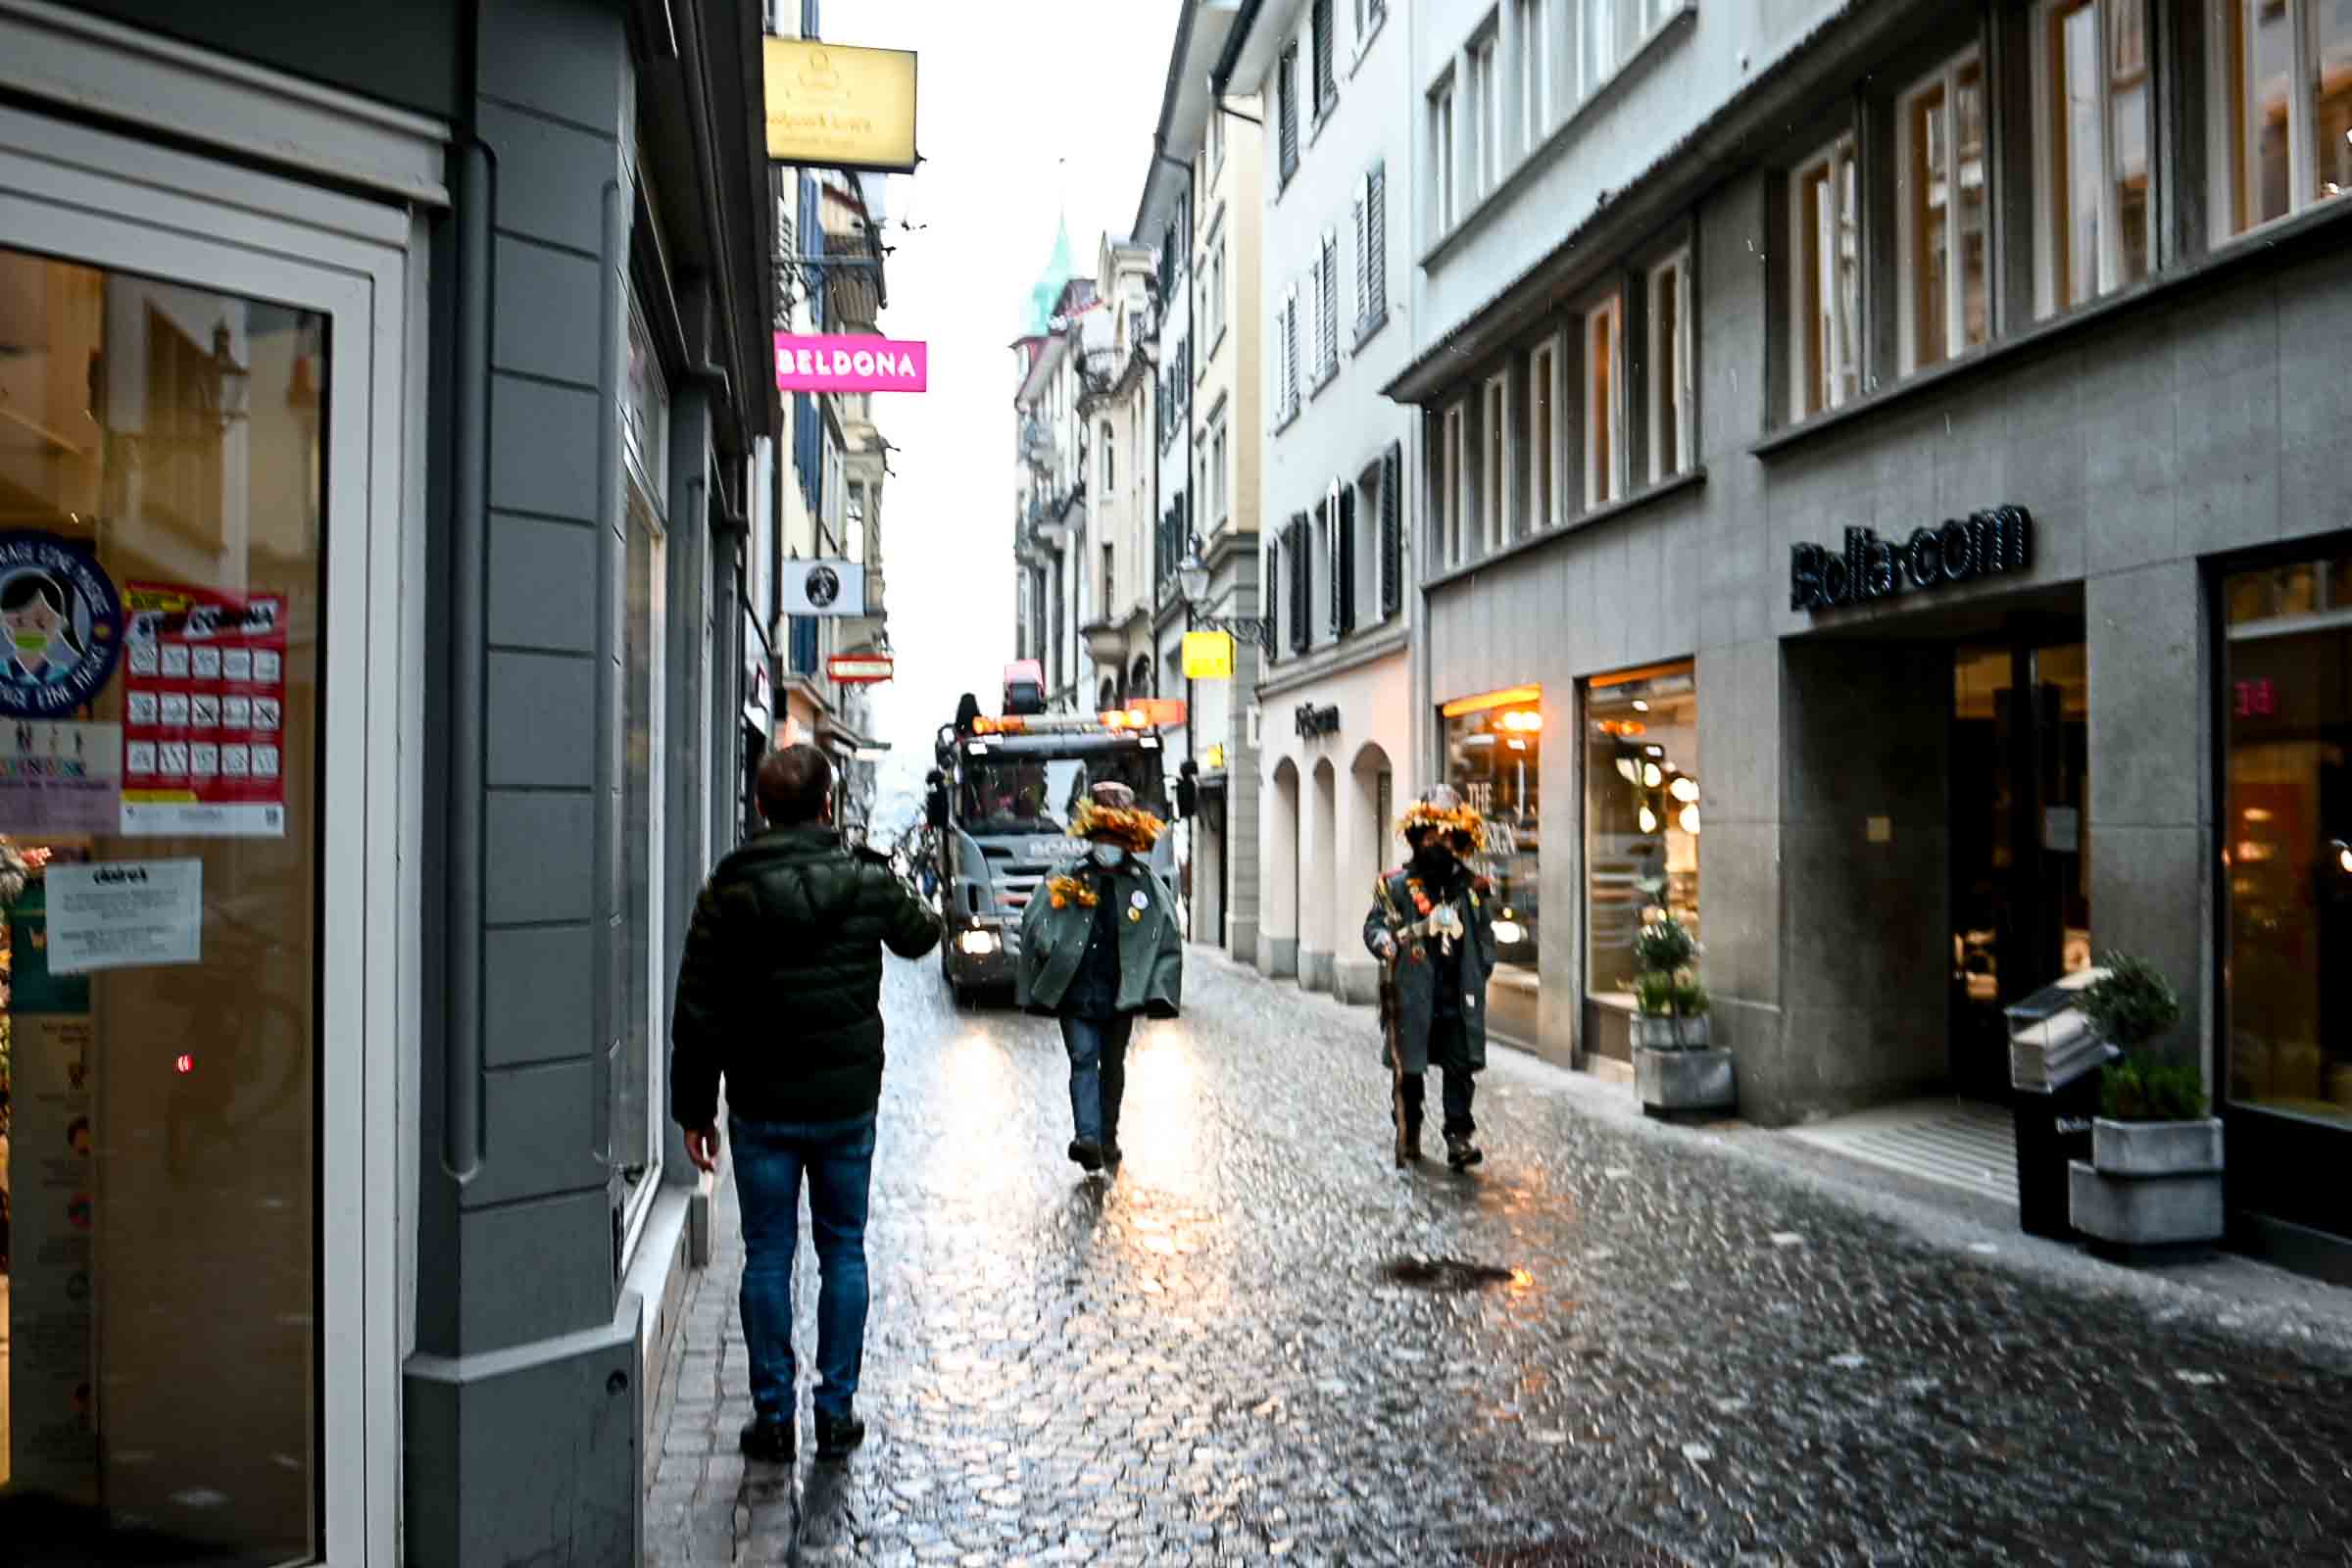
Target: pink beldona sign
851, 363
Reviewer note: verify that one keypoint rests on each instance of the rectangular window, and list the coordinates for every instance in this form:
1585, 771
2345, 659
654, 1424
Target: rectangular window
1288, 405
1110, 580
2282, 109
1642, 827
1944, 245
2288, 872
1327, 80
1217, 493
1824, 282
1493, 759
1535, 72
1486, 110
1669, 361
1445, 195
1603, 418
2091, 119
1286, 109
1597, 41
1494, 479
1543, 437
1217, 290
1450, 480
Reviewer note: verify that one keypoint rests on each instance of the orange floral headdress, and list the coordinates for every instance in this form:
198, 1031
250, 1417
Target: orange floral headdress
1131, 827
1441, 810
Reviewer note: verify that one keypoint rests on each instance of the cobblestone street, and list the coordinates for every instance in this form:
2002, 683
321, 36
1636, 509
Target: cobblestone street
1665, 1349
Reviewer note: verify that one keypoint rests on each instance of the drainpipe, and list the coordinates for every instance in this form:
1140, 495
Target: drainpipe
470, 528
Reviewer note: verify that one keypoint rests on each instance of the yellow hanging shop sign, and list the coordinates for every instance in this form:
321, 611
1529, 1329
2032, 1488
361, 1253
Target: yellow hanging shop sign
1208, 656
840, 107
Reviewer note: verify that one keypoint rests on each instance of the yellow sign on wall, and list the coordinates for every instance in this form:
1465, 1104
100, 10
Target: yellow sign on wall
839, 106
1208, 656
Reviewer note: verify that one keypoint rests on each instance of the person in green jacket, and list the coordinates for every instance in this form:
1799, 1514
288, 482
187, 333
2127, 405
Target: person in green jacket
779, 992
1099, 947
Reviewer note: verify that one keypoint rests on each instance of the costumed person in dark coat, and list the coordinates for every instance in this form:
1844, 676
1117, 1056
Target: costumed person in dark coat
1432, 930
1099, 947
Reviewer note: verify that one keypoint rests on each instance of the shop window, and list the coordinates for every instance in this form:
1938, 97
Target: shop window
2286, 850
164, 476
1642, 821
2282, 109
1669, 358
1824, 282
1943, 271
1543, 437
1493, 757
1603, 418
2092, 120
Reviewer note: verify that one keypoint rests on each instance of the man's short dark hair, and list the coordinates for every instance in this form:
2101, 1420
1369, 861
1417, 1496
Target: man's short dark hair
794, 785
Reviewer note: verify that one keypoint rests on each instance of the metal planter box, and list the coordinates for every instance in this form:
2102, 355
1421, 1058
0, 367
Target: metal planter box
1676, 1081
1661, 1032
2156, 1148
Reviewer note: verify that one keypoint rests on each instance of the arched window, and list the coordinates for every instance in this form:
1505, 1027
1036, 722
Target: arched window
1110, 465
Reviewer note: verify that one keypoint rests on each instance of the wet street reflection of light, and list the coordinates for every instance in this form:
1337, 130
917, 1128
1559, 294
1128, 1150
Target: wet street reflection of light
1159, 1124
983, 1097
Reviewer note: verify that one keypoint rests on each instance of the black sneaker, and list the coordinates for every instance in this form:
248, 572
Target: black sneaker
769, 1439
1087, 1154
1461, 1153
838, 1438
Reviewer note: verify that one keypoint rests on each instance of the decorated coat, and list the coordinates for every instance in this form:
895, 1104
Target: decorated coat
1408, 986
1150, 947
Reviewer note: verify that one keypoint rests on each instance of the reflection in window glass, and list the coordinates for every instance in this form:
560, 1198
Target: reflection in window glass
2091, 58
1493, 757
1642, 821
1826, 282
159, 1353
2283, 82
1944, 270
2287, 848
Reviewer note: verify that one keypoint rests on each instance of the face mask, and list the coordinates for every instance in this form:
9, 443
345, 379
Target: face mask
32, 642
1109, 854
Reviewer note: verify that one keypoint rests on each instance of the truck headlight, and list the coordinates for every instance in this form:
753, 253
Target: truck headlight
978, 944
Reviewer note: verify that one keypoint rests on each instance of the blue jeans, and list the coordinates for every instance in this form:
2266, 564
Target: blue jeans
1098, 1049
838, 1158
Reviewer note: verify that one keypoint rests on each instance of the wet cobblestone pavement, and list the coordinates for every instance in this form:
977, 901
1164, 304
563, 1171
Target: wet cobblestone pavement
1238, 1353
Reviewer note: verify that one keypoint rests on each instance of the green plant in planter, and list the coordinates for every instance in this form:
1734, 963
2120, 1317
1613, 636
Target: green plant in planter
2145, 1087
1690, 999
1664, 947
1654, 994
2133, 1004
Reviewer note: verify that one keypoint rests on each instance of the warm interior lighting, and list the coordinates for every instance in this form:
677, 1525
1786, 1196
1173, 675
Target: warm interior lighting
1653, 775
1684, 789
1689, 821
1648, 820
1509, 697
1526, 721
2258, 813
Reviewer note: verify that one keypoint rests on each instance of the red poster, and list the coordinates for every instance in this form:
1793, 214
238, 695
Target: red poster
204, 699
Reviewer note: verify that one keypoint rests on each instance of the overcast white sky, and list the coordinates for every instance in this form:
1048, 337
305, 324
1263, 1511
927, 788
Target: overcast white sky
1022, 109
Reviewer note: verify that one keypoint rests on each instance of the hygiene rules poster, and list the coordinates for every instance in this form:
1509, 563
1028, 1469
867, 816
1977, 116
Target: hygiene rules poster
203, 699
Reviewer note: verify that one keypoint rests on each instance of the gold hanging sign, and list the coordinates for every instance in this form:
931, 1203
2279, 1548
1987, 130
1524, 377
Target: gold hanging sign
837, 106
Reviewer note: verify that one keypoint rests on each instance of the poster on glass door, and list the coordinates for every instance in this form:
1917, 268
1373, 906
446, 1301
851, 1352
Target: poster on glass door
203, 698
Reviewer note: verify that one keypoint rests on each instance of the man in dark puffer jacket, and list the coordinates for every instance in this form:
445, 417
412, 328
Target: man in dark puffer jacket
780, 994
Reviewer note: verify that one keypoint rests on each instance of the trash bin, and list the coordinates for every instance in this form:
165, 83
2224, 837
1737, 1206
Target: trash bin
2054, 1073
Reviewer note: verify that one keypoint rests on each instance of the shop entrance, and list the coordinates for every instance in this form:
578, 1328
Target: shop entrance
2019, 837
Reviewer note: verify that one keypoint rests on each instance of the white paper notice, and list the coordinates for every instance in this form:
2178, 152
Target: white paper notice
125, 915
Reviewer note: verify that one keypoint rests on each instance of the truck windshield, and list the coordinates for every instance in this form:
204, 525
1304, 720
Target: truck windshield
1029, 793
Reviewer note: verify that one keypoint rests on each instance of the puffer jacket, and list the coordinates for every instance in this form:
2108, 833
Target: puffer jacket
780, 988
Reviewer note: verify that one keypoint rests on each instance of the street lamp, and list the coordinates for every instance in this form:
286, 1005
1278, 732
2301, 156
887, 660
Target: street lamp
1192, 580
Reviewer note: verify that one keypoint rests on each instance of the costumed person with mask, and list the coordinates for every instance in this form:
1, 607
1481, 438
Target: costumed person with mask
1099, 947
1432, 930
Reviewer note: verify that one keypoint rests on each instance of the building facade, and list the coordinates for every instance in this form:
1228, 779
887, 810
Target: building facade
1884, 454
1202, 208
1054, 591
395, 383
1115, 407
1339, 474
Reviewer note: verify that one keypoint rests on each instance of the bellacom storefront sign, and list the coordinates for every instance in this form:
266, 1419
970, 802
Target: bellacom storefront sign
1984, 544
835, 107
850, 364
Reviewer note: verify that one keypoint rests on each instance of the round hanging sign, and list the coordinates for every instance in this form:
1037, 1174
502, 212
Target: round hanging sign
63, 621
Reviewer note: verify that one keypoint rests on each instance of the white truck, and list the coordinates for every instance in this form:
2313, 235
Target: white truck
1000, 801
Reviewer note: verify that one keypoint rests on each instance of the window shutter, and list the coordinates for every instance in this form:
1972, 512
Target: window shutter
1290, 351
1363, 258
1392, 530
1329, 511
1286, 91
1376, 249
1327, 83
1270, 593
1344, 581
1302, 595
1327, 307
